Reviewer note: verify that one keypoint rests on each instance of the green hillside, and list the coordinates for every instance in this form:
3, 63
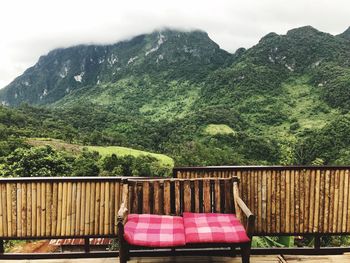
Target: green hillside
283, 101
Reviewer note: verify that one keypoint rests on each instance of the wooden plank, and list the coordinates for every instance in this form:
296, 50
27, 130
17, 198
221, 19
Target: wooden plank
38, 209
69, 208
197, 199
206, 196
177, 197
217, 196
156, 199
259, 211
348, 208
187, 196
166, 198
102, 205
145, 197
312, 200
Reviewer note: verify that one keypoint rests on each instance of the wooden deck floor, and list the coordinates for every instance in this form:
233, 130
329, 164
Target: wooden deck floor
254, 259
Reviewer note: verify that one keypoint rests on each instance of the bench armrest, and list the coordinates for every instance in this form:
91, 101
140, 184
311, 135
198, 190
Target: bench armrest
242, 209
123, 210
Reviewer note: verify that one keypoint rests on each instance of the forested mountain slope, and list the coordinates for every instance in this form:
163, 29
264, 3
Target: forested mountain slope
283, 101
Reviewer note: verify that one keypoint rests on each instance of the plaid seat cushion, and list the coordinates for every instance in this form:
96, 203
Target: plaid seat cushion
154, 230
213, 228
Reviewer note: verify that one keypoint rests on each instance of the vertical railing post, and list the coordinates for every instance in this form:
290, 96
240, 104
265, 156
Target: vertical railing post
87, 245
2, 250
317, 242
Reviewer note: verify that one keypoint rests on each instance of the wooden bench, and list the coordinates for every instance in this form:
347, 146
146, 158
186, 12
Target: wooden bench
174, 197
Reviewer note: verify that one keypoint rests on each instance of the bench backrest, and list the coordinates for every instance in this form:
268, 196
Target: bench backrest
175, 196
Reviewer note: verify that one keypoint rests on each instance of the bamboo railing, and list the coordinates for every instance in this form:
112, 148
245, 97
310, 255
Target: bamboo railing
289, 200
58, 207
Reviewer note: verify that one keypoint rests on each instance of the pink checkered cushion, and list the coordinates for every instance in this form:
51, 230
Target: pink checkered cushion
213, 228
154, 230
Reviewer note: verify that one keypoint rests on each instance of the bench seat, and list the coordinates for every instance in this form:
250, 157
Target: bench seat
154, 230
213, 228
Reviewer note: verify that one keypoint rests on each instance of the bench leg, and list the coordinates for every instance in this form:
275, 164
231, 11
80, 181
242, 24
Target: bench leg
245, 252
233, 251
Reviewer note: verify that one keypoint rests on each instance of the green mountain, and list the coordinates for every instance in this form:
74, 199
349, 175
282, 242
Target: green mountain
164, 54
345, 34
284, 101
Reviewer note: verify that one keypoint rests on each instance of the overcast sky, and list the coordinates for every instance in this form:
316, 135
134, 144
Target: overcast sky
30, 28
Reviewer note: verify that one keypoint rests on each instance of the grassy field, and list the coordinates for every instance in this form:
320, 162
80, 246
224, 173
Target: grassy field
164, 160
123, 151
214, 129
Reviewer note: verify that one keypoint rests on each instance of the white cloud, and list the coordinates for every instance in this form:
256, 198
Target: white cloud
32, 28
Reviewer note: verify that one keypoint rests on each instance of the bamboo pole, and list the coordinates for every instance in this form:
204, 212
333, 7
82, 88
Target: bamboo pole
87, 208
59, 208
82, 209
317, 200
54, 208
346, 204
9, 208
106, 212
43, 209
69, 208
288, 201
341, 201
74, 208
29, 210
64, 209
14, 208
102, 205
97, 208
92, 208
4, 207
283, 202
34, 209
78, 209
2, 226
48, 209
19, 212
